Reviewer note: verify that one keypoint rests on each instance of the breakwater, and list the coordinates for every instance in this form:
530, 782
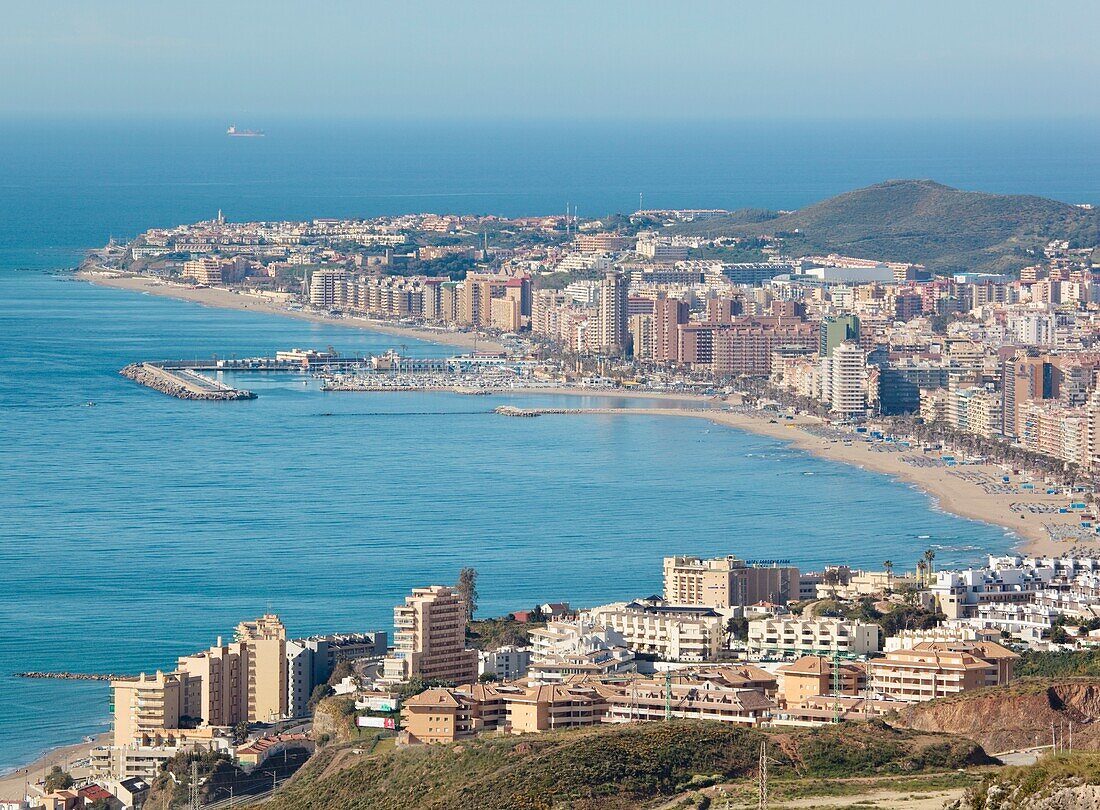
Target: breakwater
182, 383
75, 676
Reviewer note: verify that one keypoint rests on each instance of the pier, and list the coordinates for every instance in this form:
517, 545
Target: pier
182, 383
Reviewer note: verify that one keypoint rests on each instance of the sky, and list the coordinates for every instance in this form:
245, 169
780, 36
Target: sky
672, 60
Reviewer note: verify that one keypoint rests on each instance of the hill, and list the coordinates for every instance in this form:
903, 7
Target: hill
921, 221
610, 767
1016, 716
1064, 782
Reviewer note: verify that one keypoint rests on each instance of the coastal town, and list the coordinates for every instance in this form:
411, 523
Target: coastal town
754, 644
985, 381
978, 387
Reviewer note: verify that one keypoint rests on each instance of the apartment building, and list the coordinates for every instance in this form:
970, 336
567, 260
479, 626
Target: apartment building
612, 332
795, 636
204, 270
430, 638
726, 582
934, 670
683, 696
812, 676
959, 594
669, 632
564, 649
743, 347
146, 705
505, 664
226, 684
844, 380
328, 289
437, 716
310, 662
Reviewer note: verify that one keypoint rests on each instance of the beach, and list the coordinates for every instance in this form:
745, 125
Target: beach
12, 783
952, 489
959, 489
961, 495
229, 299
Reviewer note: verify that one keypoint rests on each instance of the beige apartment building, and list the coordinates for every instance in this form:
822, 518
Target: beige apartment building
918, 675
430, 638
727, 582
218, 687
794, 636
812, 676
146, 705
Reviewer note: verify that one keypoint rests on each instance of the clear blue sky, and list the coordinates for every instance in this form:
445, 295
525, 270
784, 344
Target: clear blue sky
423, 58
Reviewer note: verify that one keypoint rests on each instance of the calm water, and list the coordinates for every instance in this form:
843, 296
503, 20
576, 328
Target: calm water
143, 527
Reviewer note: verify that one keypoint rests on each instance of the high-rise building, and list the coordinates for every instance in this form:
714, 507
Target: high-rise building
328, 289
430, 638
245, 680
613, 336
265, 667
844, 380
668, 315
837, 330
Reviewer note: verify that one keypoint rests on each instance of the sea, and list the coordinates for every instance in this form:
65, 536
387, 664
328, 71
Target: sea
135, 527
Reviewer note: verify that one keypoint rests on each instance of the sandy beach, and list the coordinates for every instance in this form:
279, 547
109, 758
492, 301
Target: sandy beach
960, 490
12, 784
229, 299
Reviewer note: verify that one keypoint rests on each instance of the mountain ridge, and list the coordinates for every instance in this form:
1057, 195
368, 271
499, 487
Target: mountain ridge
920, 221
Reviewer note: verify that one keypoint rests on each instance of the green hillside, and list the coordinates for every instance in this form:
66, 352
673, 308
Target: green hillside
610, 767
921, 221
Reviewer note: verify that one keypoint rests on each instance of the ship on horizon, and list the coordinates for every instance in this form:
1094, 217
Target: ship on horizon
233, 132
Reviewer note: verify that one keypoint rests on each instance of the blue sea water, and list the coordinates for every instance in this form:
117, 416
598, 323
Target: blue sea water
143, 527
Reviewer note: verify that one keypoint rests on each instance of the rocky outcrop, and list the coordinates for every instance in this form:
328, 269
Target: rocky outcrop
1017, 716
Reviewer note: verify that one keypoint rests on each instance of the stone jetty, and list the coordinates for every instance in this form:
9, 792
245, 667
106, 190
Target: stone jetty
75, 676
181, 383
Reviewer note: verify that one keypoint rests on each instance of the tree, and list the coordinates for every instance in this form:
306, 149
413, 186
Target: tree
888, 566
467, 590
240, 732
320, 692
737, 628
99, 804
487, 677
1059, 635
58, 779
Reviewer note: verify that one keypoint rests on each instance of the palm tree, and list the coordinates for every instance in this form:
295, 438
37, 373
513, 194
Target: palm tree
929, 556
921, 567
888, 566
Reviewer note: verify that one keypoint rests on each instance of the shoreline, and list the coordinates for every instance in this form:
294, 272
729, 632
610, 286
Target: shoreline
12, 780
947, 491
220, 298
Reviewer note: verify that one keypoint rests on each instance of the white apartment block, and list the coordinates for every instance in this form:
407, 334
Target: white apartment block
672, 633
798, 637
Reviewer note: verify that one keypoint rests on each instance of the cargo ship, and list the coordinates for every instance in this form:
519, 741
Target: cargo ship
233, 132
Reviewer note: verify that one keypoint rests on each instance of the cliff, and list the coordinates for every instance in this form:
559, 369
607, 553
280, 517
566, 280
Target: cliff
1017, 716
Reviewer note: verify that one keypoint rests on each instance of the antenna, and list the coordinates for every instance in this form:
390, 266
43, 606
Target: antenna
762, 800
